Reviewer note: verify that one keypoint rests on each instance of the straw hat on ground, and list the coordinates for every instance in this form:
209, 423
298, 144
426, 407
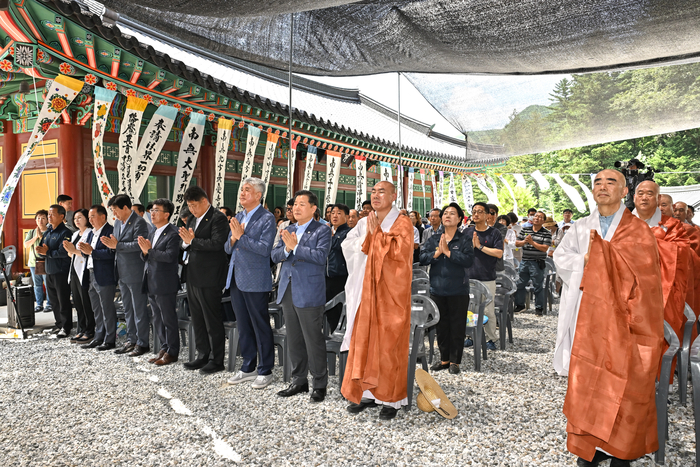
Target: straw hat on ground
431, 397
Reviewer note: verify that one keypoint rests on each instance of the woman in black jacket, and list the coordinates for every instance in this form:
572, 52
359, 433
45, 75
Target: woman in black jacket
449, 253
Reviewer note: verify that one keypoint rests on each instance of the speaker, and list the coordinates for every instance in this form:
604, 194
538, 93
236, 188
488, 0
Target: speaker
25, 304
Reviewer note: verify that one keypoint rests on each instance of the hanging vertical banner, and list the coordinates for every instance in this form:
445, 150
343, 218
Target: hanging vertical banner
332, 176
494, 188
441, 189
267, 161
467, 193
386, 175
291, 162
187, 161
571, 192
593, 181
587, 192
452, 189
152, 142
520, 181
399, 187
248, 162
360, 181
541, 181
223, 137
409, 196
103, 101
481, 183
422, 184
309, 171
436, 201
128, 142
60, 93
512, 195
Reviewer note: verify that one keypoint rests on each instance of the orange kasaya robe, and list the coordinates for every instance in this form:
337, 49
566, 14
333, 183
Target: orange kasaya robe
693, 236
693, 295
378, 353
674, 254
616, 353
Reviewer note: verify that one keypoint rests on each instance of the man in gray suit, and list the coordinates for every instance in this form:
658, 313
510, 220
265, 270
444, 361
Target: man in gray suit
303, 250
127, 229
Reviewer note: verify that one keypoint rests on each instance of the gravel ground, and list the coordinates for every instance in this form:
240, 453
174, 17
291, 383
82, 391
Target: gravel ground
67, 406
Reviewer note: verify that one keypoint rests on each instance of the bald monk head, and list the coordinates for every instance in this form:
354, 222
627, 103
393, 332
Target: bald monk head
609, 188
680, 211
646, 199
666, 205
383, 195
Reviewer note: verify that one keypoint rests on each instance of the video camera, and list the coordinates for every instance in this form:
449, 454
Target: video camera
631, 171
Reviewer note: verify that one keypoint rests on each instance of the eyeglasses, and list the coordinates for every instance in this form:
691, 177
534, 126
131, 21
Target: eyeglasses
478, 212
491, 213
156, 210
289, 209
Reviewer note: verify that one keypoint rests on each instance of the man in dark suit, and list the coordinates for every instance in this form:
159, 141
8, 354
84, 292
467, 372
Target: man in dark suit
128, 227
203, 239
302, 250
336, 269
252, 233
160, 252
103, 281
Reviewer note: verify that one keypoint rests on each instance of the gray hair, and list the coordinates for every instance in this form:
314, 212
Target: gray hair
257, 184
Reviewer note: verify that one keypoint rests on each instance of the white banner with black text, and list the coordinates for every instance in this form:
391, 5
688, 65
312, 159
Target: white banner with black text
187, 161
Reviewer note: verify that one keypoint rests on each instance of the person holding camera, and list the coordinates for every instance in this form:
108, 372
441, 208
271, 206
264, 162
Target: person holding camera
535, 241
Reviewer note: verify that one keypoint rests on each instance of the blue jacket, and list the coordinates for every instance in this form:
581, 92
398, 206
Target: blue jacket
57, 259
252, 252
160, 271
305, 268
336, 260
448, 276
103, 258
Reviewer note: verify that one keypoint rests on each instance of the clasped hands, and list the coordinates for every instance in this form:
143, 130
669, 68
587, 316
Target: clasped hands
290, 240
144, 244
443, 248
237, 230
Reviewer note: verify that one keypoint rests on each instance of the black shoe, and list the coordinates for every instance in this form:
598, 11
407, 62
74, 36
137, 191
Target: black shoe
615, 462
75, 339
437, 366
387, 413
106, 346
538, 312
317, 395
212, 367
128, 347
85, 339
138, 351
196, 364
490, 345
518, 308
294, 389
364, 404
37, 309
599, 457
468, 342
48, 309
91, 345
454, 369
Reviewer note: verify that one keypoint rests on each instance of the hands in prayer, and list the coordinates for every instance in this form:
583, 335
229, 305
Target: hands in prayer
289, 239
528, 239
42, 249
144, 244
86, 248
475, 241
187, 235
70, 248
237, 230
109, 242
372, 221
443, 248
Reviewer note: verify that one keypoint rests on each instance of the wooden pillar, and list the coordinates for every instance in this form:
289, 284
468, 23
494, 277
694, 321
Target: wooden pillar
72, 179
207, 164
299, 169
11, 228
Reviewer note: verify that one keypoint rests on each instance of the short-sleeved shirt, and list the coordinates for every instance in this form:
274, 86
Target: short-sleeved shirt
542, 236
484, 266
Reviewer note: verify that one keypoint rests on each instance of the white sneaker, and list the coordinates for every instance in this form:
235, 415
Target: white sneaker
262, 381
242, 377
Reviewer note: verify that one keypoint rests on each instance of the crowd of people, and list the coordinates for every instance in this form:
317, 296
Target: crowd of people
641, 274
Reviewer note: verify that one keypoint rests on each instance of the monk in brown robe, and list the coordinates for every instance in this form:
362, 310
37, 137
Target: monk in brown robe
377, 366
616, 352
666, 205
680, 212
674, 254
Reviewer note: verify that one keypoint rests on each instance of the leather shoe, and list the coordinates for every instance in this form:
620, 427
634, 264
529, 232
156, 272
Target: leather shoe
157, 357
387, 413
318, 394
615, 462
94, 343
138, 351
437, 366
196, 364
599, 457
106, 346
294, 389
128, 347
166, 359
364, 404
212, 367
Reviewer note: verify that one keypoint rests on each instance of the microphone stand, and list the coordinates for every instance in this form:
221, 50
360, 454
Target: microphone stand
3, 265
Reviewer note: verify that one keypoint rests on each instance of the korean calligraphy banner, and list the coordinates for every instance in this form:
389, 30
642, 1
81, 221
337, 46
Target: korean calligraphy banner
436, 201
187, 161
399, 187
409, 197
151, 144
494, 188
572, 193
128, 142
441, 188
248, 163
385, 172
309, 171
267, 161
360, 181
223, 137
103, 101
481, 182
541, 181
291, 162
452, 189
60, 93
586, 191
332, 176
422, 184
512, 195
520, 181
467, 193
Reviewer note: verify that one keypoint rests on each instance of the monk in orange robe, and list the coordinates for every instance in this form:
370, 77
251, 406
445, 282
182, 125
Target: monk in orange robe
616, 351
680, 212
674, 253
377, 364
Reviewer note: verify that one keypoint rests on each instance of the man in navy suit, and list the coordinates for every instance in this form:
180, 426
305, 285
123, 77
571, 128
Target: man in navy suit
103, 282
302, 250
250, 243
160, 252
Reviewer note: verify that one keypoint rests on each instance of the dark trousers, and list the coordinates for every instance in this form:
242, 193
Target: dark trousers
59, 294
334, 285
102, 299
253, 321
227, 308
305, 341
165, 322
208, 322
452, 326
83, 307
529, 270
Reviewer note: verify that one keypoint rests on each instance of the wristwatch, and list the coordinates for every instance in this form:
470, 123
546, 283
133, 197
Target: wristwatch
481, 247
